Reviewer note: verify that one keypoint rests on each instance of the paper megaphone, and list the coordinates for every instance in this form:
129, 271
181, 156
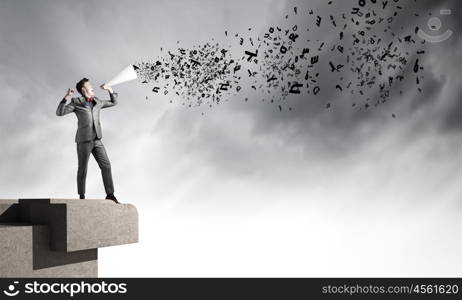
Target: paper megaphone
127, 74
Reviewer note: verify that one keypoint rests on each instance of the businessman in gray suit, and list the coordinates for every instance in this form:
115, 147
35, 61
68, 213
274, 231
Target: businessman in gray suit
87, 108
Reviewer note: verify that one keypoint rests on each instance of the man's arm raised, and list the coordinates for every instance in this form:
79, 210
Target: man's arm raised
64, 109
112, 95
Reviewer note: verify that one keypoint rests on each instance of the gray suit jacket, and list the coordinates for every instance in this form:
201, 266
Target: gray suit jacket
86, 116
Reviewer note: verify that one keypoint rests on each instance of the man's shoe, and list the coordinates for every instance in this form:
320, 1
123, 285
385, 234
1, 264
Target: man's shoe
113, 198
82, 196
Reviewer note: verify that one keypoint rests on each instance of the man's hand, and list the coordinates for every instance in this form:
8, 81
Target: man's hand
69, 93
107, 88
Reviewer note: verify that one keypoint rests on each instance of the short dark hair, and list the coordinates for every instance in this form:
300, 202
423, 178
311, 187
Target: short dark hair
80, 84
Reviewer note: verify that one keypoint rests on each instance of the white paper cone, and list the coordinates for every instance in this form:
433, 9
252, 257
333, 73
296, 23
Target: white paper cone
127, 74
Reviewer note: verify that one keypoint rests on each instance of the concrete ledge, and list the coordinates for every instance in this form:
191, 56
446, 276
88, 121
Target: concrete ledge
60, 237
83, 224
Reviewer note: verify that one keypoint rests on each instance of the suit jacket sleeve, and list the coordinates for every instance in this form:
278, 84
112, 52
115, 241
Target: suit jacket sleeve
112, 102
64, 109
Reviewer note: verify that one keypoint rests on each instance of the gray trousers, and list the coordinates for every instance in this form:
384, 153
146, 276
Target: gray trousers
96, 148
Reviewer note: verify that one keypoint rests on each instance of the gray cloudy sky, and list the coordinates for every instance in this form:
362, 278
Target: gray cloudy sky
244, 189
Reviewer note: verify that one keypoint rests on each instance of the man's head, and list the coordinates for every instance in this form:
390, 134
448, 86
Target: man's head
84, 88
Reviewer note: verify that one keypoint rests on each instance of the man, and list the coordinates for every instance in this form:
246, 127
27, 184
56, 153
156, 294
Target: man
89, 133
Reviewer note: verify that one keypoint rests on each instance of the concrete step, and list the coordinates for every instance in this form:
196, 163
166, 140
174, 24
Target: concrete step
61, 237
